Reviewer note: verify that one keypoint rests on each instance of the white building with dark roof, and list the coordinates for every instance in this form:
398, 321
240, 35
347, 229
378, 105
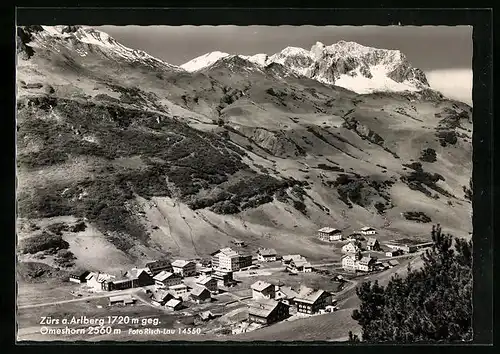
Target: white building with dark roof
329, 234
262, 290
350, 261
350, 248
267, 254
184, 268
97, 281
366, 264
226, 259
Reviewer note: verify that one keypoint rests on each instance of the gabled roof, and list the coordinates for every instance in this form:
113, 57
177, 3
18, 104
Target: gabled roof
161, 295
385, 264
267, 252
180, 263
289, 292
100, 277
350, 243
393, 262
204, 280
136, 272
292, 257
312, 297
302, 263
262, 307
173, 303
260, 285
371, 241
206, 315
329, 230
164, 275
199, 290
367, 228
228, 251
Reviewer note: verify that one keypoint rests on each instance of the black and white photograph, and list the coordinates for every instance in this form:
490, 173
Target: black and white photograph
244, 183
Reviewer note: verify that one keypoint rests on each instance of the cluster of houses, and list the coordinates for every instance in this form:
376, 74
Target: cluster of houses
406, 248
271, 303
168, 279
331, 234
354, 260
164, 277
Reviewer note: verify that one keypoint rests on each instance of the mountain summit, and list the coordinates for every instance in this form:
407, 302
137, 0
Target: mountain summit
346, 64
84, 41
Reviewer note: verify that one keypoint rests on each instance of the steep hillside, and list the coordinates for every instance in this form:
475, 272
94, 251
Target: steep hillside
159, 160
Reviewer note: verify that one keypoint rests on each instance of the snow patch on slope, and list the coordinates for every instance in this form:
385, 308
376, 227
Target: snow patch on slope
259, 59
379, 82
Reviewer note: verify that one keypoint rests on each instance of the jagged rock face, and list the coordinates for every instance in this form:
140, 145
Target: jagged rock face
24, 36
404, 71
349, 58
346, 64
70, 29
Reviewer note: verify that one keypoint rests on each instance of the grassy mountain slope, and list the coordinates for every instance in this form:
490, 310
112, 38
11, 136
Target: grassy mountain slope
163, 161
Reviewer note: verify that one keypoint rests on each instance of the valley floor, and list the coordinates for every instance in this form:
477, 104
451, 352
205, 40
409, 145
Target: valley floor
41, 309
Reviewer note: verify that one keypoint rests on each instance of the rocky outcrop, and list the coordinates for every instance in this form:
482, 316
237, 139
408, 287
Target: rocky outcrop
363, 131
24, 36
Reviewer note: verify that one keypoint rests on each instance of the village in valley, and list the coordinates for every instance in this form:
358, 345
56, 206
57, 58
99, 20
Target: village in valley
237, 291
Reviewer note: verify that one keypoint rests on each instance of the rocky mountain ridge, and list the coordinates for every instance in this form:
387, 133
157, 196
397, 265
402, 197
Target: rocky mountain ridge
346, 64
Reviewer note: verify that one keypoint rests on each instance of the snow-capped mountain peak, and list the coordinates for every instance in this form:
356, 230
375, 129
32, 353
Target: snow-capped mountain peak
80, 38
347, 64
204, 61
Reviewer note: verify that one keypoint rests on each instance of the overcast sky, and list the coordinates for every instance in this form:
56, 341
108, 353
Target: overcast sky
443, 52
